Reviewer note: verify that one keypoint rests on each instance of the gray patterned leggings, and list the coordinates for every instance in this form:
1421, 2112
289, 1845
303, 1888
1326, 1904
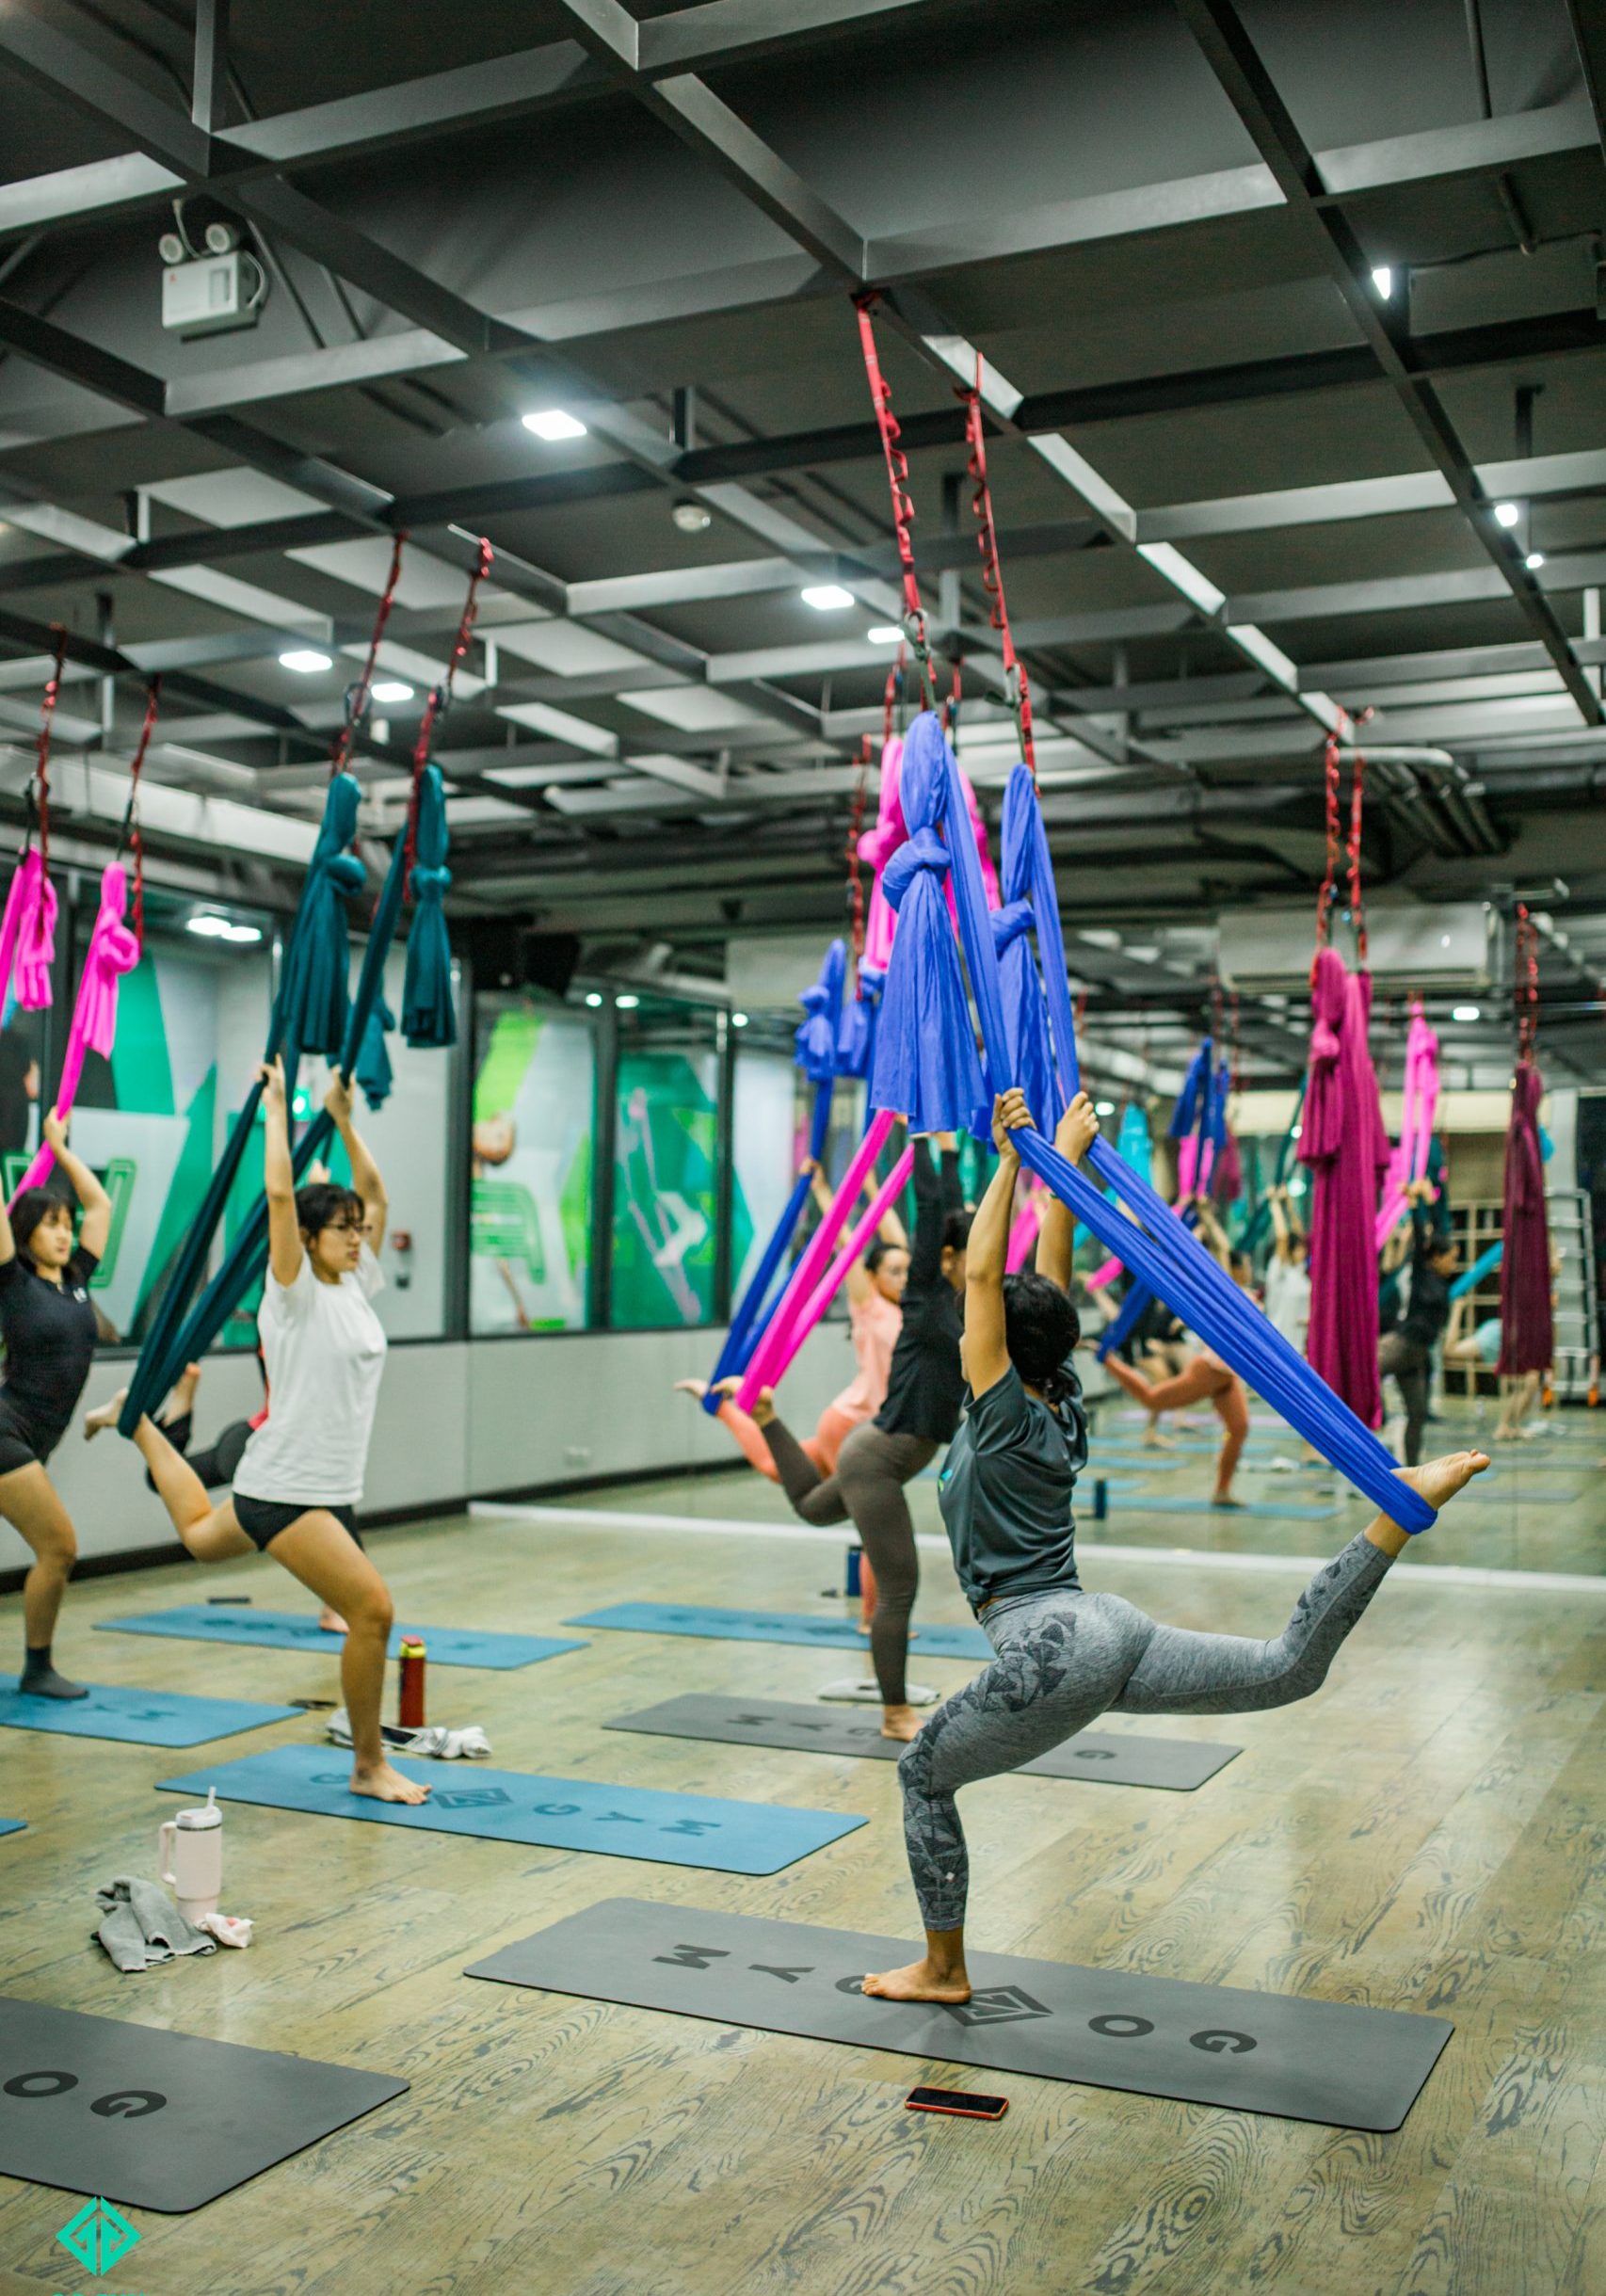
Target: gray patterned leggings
1064, 1658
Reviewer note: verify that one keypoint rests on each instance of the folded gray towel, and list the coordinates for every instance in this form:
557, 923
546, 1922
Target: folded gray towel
142, 1925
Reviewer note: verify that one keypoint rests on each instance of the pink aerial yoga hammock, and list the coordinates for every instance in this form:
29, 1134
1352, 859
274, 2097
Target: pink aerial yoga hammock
27, 927
114, 950
1418, 1107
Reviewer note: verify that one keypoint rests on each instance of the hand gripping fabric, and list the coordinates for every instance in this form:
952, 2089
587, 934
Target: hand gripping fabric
1160, 1251
166, 1347
113, 951
822, 1009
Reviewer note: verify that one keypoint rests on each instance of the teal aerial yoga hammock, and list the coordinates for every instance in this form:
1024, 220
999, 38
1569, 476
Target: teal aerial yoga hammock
312, 1013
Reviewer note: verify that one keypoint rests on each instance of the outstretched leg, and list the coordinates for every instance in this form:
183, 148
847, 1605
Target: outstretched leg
1197, 1380
210, 1533
1186, 1672
816, 1499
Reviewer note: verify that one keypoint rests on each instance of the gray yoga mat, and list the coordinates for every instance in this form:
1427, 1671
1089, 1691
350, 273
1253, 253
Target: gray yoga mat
155, 2119
1151, 2036
1172, 1762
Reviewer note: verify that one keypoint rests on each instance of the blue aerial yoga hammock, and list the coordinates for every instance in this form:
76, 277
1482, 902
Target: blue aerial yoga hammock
1200, 1115
817, 1040
1161, 1252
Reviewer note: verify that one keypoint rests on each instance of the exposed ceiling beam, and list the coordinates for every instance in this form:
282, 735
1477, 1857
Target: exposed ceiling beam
1232, 57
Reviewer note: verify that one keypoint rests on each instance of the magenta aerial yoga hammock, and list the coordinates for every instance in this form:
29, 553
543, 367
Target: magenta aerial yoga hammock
926, 1056
1418, 1108
113, 951
1527, 1336
1343, 1143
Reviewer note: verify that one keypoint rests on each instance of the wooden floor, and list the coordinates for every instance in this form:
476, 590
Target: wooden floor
1429, 1833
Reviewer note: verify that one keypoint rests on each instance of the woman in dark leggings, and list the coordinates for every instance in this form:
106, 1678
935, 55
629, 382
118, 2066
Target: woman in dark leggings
924, 1396
1064, 1657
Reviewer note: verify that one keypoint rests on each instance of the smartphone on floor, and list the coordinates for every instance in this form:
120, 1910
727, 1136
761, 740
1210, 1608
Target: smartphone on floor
964, 2102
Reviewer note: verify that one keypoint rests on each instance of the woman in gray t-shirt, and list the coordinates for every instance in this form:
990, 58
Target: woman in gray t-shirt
1064, 1657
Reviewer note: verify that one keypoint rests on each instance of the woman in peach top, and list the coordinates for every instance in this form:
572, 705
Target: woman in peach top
875, 1288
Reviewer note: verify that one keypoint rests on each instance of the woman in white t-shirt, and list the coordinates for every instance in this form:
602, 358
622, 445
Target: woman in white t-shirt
300, 1475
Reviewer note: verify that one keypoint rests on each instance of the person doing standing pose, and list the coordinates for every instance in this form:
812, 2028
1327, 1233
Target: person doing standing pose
48, 1325
1063, 1656
925, 1390
300, 1475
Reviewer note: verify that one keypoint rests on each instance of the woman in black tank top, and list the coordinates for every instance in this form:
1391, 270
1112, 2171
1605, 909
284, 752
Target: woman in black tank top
49, 1328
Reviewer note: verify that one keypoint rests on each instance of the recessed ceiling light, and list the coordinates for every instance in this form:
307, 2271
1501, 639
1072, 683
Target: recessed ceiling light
209, 928
552, 424
1506, 514
1466, 1012
692, 518
885, 634
1533, 561
305, 659
738, 1020
627, 1004
392, 689
1103, 1108
241, 933
593, 1000
1383, 279
827, 597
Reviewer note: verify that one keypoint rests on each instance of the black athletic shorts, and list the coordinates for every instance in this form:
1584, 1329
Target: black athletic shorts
20, 1444
263, 1519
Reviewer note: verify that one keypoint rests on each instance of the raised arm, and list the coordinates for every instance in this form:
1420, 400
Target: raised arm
96, 1229
1056, 1234
936, 1194
364, 1171
1211, 1234
1279, 1225
285, 1248
986, 1356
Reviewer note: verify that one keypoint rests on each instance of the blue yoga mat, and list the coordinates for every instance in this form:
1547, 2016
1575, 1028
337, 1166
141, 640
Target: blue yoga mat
205, 1622
672, 1829
1142, 1463
776, 1627
139, 1717
1293, 1512
13, 1825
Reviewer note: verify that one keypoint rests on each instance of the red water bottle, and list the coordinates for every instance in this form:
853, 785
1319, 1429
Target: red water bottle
410, 1712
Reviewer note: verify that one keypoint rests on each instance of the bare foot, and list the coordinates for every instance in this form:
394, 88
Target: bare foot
183, 1397
96, 1423
919, 1982
1224, 1498
692, 1387
1153, 1440
1438, 1480
900, 1722
331, 1622
383, 1784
